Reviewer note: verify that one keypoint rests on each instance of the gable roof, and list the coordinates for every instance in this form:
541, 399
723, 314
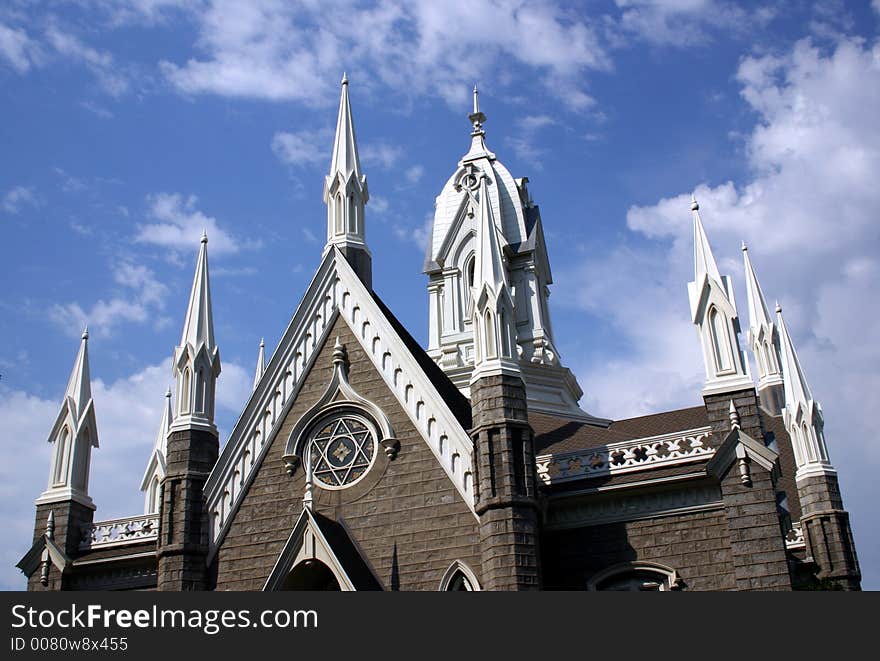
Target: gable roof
554, 435
332, 541
336, 291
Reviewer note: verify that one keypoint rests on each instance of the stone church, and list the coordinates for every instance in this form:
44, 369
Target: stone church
364, 461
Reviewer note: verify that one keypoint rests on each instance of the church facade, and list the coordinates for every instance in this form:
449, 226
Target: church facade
363, 461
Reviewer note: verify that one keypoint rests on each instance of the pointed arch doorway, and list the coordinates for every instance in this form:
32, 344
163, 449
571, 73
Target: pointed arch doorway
311, 574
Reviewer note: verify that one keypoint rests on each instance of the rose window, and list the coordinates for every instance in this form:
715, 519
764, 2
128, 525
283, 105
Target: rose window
342, 451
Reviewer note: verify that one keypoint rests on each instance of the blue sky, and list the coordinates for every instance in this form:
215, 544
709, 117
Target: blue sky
127, 127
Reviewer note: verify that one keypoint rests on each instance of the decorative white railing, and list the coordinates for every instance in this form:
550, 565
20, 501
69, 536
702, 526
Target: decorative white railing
795, 538
627, 456
117, 532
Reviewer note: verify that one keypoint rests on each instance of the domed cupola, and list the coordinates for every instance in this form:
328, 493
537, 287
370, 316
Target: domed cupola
451, 264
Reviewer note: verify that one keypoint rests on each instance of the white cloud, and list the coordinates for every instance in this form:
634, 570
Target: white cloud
381, 154
19, 197
128, 412
809, 214
303, 148
100, 63
295, 51
181, 224
142, 299
686, 22
18, 49
414, 174
378, 204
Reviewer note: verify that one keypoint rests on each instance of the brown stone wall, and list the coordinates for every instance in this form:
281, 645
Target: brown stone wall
70, 519
696, 546
405, 515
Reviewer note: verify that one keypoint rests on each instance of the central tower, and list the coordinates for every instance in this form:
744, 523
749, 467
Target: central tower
482, 190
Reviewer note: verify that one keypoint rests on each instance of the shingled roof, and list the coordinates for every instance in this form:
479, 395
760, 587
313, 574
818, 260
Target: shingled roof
555, 435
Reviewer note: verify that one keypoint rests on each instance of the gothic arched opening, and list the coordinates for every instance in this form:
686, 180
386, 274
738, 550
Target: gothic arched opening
311, 575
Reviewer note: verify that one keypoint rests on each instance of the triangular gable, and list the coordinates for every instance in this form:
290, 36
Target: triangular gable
739, 445
335, 291
315, 537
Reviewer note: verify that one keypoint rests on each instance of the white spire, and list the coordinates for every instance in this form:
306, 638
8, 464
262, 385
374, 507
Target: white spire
713, 312
802, 414
704, 260
346, 193
155, 472
261, 363
345, 160
198, 328
490, 270
197, 358
79, 386
763, 341
491, 306
759, 315
73, 436
796, 388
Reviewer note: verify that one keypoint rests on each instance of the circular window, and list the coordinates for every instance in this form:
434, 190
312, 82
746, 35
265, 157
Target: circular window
341, 451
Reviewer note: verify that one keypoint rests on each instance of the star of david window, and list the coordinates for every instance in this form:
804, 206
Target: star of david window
341, 451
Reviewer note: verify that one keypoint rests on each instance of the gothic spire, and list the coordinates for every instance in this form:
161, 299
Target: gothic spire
802, 415
73, 435
796, 388
346, 194
490, 270
713, 312
764, 342
197, 358
345, 159
704, 260
758, 313
79, 386
155, 471
198, 327
261, 363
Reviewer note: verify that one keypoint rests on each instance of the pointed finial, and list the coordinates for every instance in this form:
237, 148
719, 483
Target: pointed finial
778, 308
734, 415
338, 352
477, 118
168, 392
204, 236
694, 204
744, 247
344, 78
50, 525
85, 333
262, 343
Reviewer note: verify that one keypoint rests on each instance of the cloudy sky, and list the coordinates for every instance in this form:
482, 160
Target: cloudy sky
128, 127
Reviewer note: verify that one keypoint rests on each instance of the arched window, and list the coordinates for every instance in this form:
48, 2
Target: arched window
154, 495
185, 391
338, 226
352, 219
60, 473
505, 335
459, 578
467, 275
770, 358
200, 391
490, 335
635, 577
720, 343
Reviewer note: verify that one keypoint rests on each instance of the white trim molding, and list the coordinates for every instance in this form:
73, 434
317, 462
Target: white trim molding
673, 449
456, 568
670, 579
335, 291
